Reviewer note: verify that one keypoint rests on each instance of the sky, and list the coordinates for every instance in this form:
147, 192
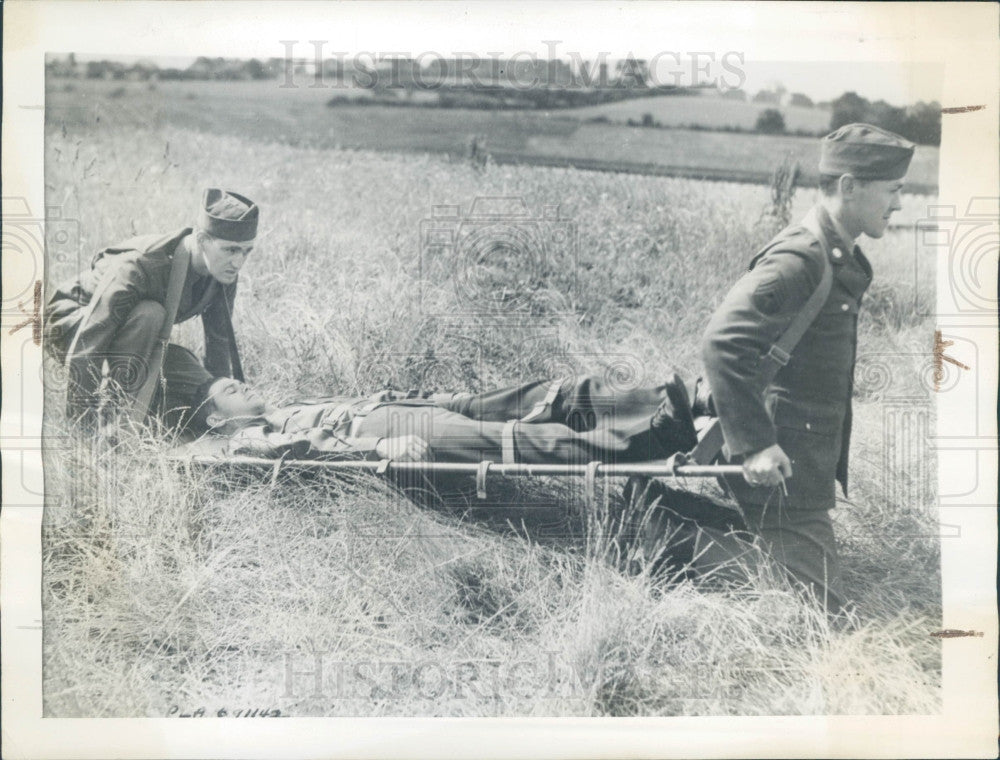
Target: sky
819, 48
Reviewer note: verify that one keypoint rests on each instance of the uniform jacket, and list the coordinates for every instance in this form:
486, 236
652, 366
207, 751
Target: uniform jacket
807, 408
120, 277
321, 427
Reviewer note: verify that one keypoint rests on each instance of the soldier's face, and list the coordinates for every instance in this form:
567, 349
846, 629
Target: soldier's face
224, 258
873, 202
233, 400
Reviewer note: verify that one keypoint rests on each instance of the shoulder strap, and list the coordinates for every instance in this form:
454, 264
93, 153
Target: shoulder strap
711, 440
781, 352
234, 351
175, 284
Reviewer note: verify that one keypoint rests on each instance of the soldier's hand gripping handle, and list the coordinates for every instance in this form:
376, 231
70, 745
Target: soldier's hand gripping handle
767, 467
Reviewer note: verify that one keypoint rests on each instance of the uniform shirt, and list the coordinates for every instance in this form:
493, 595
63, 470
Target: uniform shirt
807, 408
327, 428
120, 277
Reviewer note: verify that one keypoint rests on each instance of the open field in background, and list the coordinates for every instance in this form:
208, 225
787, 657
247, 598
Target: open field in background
300, 117
706, 110
166, 588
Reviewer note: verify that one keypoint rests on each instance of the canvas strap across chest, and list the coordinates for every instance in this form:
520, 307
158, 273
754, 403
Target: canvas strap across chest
711, 440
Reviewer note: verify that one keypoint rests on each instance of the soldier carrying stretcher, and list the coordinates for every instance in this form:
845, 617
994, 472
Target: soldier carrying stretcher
791, 432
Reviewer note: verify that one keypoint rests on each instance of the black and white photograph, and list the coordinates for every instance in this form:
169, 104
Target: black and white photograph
394, 362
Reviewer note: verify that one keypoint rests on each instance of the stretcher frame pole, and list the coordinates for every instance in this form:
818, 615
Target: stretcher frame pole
647, 469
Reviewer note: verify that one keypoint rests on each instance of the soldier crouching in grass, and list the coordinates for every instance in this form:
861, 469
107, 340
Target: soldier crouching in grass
568, 421
792, 436
122, 309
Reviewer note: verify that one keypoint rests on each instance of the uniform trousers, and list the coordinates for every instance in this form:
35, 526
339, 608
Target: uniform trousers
799, 540
575, 420
128, 357
773, 535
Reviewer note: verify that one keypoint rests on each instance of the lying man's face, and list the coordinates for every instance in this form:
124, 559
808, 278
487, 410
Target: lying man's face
231, 400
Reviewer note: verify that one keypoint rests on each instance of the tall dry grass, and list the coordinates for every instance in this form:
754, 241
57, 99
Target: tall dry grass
166, 588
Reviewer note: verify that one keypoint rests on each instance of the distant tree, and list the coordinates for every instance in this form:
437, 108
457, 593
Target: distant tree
923, 122
920, 123
105, 70
766, 96
847, 109
201, 68
143, 71
799, 99
770, 122
881, 114
275, 67
647, 120
255, 69
632, 72
735, 94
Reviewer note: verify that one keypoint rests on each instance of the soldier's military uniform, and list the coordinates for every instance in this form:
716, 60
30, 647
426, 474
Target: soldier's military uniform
574, 420
114, 311
806, 410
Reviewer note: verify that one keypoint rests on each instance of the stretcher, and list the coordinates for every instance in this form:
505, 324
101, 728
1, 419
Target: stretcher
679, 466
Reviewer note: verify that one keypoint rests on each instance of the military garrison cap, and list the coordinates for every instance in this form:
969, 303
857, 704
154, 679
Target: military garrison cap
228, 215
865, 152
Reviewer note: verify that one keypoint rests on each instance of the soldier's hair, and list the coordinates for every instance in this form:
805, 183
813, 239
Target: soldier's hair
206, 233
828, 183
202, 405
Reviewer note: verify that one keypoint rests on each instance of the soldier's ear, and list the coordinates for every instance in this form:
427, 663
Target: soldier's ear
847, 184
201, 237
214, 420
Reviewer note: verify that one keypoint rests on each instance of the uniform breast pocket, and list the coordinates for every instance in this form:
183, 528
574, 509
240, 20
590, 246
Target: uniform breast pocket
839, 307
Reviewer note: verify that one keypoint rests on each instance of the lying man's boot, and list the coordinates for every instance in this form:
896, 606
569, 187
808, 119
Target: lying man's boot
673, 422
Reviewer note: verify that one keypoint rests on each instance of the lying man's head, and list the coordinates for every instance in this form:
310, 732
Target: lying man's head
223, 404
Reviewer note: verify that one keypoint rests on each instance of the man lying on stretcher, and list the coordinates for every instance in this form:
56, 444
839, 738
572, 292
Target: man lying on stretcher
573, 420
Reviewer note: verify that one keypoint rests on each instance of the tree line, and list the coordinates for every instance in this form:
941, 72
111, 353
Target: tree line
920, 122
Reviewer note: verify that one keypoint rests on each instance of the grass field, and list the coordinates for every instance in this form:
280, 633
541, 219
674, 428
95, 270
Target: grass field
167, 590
705, 110
299, 117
